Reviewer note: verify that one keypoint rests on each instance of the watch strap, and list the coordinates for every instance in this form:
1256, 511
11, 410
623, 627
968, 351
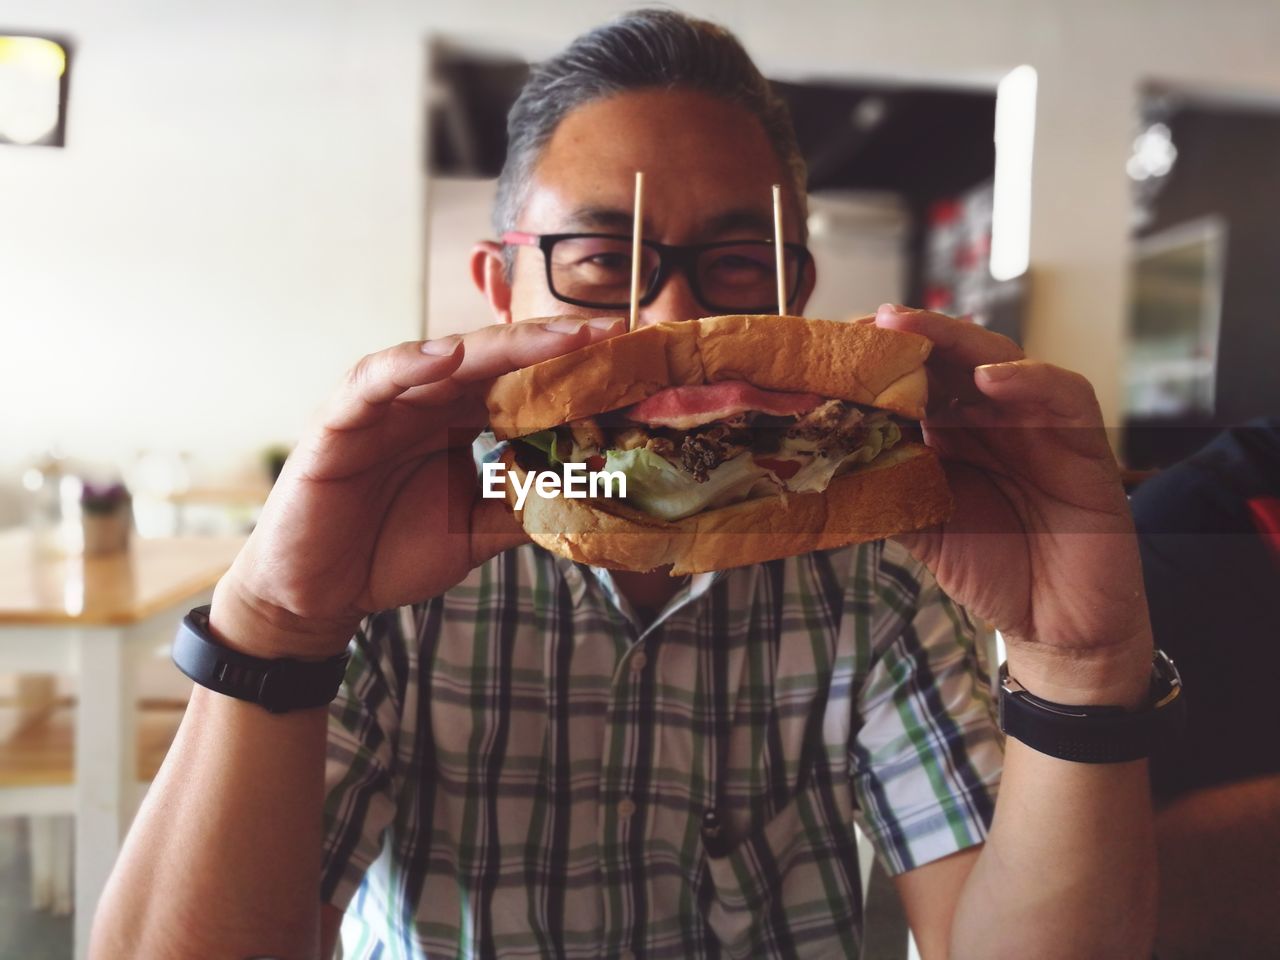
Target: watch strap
278, 685
1095, 734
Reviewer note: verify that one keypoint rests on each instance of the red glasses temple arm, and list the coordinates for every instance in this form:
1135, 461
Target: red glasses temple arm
521, 239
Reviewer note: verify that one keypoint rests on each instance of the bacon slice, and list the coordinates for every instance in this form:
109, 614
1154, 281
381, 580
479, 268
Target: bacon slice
683, 408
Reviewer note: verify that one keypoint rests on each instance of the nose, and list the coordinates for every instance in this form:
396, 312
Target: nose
675, 301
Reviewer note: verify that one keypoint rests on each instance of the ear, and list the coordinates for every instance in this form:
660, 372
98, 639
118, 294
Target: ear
807, 283
490, 278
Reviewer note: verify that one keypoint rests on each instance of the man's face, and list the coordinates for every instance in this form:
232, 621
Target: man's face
708, 168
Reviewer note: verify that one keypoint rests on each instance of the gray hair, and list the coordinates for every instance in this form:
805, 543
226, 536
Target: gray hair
640, 50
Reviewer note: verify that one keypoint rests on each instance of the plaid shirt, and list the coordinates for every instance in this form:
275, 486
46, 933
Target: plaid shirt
545, 776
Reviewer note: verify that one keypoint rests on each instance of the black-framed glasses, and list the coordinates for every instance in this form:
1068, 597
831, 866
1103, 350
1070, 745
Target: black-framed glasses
730, 276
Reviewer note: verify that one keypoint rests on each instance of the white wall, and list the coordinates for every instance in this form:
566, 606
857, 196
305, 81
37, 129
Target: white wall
236, 217
459, 216
234, 221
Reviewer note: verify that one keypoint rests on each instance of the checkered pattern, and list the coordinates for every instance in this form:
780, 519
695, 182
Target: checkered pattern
544, 777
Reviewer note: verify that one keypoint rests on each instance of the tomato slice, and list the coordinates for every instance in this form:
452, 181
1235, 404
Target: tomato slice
595, 462
782, 469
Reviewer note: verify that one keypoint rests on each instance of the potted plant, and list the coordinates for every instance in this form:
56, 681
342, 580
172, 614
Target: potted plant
106, 512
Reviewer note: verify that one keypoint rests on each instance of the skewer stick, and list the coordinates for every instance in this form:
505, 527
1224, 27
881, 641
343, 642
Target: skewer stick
781, 264
635, 252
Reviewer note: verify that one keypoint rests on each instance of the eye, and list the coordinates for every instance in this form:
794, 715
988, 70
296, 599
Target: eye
596, 255
732, 261
608, 261
738, 268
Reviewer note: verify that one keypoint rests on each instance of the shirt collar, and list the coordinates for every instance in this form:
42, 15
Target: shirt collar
575, 575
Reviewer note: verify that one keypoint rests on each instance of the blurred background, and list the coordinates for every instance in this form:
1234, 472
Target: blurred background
209, 211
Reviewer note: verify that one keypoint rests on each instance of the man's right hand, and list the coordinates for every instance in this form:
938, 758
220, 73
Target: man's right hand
372, 511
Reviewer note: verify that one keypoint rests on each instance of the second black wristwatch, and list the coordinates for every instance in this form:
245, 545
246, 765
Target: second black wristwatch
277, 685
1095, 734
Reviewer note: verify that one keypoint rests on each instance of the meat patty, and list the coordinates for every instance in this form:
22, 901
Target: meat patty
834, 428
701, 451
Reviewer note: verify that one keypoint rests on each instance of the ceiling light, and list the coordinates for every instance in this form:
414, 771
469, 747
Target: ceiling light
31, 70
1011, 203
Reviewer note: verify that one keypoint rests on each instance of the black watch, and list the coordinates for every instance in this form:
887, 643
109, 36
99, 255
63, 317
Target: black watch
277, 685
1095, 734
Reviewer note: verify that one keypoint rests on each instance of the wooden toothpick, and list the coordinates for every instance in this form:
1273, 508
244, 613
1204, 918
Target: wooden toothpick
635, 251
781, 266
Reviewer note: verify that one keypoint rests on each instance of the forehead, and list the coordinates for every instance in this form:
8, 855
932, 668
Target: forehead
701, 156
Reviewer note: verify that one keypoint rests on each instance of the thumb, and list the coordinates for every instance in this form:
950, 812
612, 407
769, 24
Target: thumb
1063, 394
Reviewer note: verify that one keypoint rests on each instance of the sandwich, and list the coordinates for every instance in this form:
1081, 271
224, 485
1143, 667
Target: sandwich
741, 439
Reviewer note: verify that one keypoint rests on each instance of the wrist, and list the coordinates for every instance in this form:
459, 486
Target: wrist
1118, 678
251, 626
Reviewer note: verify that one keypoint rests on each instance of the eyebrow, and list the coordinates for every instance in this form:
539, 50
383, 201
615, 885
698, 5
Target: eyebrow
743, 219
599, 218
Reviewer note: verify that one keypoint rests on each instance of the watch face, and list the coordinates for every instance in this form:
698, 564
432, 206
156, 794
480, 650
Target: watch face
1167, 676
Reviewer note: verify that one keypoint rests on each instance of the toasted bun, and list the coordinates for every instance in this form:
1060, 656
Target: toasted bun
904, 489
861, 363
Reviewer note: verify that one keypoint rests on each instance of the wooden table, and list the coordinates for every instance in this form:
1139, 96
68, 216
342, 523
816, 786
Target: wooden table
97, 618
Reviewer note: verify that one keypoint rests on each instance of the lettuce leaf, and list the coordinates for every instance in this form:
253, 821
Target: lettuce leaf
660, 489
544, 440
816, 475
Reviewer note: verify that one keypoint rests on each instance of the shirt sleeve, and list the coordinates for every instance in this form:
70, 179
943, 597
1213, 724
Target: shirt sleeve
926, 751
360, 766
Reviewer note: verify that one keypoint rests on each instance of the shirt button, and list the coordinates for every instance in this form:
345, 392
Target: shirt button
638, 662
626, 807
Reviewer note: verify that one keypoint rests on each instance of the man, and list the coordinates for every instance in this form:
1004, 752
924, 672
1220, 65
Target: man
561, 763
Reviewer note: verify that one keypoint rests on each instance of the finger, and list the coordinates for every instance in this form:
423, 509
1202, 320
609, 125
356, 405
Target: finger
380, 377
955, 342
494, 350
432, 372
1063, 394
501, 348
1050, 429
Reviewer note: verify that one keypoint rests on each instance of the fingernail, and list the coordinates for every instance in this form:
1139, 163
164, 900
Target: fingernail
995, 372
564, 324
605, 323
442, 346
870, 319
